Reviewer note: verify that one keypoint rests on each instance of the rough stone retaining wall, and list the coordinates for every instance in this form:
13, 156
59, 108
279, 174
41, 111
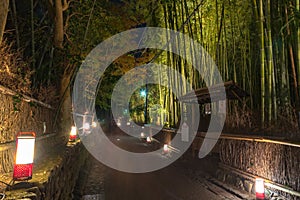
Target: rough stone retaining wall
55, 177
21, 113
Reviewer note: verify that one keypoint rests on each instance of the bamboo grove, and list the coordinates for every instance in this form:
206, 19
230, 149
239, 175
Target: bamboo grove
254, 43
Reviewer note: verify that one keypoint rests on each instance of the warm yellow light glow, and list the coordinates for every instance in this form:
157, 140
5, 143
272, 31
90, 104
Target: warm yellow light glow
73, 131
166, 148
142, 135
148, 139
86, 126
94, 124
25, 150
259, 186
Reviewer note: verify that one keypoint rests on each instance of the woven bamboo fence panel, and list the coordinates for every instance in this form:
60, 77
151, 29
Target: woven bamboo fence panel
275, 162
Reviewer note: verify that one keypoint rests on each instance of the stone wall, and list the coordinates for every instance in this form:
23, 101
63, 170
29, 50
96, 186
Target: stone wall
54, 176
20, 113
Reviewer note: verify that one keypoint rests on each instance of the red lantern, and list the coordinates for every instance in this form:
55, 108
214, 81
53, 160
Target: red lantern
260, 188
73, 133
24, 156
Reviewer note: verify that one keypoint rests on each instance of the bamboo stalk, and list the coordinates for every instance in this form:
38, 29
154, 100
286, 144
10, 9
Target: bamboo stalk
271, 101
262, 60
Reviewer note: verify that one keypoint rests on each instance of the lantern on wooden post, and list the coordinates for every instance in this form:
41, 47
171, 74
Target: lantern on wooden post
260, 188
73, 133
24, 156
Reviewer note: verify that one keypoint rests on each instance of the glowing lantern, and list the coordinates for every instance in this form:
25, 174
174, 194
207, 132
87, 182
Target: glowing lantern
119, 124
86, 123
94, 124
148, 139
166, 148
24, 156
73, 133
260, 188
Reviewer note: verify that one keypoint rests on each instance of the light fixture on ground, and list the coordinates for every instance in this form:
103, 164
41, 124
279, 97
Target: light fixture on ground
24, 156
94, 124
260, 188
87, 123
73, 134
149, 139
166, 148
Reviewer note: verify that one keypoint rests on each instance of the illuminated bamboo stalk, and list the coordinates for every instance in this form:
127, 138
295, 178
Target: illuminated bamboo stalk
271, 89
262, 62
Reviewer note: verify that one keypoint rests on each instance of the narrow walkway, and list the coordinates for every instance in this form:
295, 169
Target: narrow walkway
175, 182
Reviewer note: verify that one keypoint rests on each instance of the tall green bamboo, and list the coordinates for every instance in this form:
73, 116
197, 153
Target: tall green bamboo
291, 52
271, 90
262, 62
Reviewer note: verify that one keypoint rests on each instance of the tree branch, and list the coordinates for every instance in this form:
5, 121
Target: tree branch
66, 5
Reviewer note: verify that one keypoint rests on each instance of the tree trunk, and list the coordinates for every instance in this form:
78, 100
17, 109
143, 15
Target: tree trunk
15, 20
3, 16
66, 105
59, 25
32, 35
298, 58
298, 46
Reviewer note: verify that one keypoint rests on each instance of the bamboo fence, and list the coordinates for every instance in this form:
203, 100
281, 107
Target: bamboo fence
274, 160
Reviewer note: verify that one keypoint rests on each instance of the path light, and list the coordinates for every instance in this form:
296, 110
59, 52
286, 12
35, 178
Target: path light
87, 121
24, 156
166, 148
142, 135
260, 188
94, 124
73, 133
148, 139
119, 123
86, 127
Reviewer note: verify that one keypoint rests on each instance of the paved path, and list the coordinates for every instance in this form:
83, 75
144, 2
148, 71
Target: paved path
175, 182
